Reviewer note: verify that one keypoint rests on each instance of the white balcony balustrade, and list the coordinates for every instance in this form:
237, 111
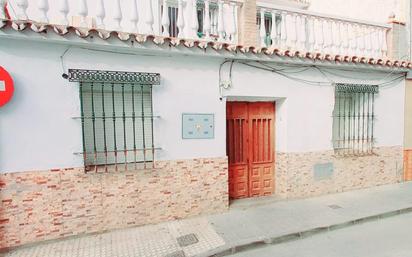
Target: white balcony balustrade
209, 20
192, 19
304, 31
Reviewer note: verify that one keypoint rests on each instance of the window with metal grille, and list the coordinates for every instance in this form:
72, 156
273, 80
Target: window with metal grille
354, 119
116, 116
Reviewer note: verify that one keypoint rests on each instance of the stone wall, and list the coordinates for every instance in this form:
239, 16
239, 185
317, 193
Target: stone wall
43, 205
295, 172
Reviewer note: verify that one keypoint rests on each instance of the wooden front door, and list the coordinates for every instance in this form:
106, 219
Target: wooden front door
250, 148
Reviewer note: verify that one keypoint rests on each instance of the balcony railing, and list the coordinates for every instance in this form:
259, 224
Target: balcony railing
217, 20
193, 19
207, 20
311, 32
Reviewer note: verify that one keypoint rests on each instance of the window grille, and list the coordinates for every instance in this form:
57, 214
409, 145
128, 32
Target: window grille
117, 117
354, 119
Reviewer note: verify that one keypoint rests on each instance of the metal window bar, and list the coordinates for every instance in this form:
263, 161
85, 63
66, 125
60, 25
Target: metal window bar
130, 136
143, 127
353, 119
104, 128
152, 129
93, 124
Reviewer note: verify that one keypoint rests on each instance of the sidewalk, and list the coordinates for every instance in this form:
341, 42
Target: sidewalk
249, 222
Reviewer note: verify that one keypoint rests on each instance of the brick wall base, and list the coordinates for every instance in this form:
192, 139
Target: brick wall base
407, 164
295, 172
44, 205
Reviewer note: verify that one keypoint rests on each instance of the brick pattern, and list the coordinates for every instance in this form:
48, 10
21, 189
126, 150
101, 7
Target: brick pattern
248, 33
407, 164
295, 176
43, 205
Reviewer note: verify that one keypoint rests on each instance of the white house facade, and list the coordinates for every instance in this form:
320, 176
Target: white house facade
110, 129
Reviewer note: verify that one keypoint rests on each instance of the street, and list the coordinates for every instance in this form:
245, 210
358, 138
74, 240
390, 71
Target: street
388, 237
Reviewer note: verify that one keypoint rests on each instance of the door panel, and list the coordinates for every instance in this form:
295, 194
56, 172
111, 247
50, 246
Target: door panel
237, 129
261, 153
250, 148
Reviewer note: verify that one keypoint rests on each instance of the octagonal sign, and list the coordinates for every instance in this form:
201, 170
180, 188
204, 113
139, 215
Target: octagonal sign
6, 87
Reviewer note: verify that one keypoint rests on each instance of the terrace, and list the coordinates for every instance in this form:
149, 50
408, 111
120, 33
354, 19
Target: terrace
278, 26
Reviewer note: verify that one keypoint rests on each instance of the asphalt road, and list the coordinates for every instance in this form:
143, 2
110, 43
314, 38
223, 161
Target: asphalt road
390, 237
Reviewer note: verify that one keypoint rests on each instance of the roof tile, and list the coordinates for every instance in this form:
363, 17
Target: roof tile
202, 44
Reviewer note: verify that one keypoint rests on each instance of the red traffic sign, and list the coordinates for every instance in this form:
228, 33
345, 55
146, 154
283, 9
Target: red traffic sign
6, 87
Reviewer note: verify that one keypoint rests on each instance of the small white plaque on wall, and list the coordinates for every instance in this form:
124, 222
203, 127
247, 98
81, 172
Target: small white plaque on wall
198, 126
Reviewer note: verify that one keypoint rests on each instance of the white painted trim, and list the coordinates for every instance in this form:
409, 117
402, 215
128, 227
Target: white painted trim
265, 5
287, 3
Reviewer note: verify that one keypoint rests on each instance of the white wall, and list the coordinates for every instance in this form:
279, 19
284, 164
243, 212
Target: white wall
304, 121
369, 10
37, 130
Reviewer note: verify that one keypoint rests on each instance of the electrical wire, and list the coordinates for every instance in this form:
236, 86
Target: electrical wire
220, 70
351, 76
116, 52
381, 83
96, 50
284, 71
231, 69
287, 70
391, 83
310, 82
325, 68
330, 80
220, 76
62, 59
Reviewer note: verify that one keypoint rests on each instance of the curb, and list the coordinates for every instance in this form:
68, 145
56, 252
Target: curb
229, 249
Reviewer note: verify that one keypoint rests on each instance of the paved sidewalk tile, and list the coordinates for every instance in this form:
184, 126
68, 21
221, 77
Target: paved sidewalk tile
147, 241
278, 218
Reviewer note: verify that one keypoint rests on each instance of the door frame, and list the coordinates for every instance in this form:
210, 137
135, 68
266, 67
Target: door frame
249, 151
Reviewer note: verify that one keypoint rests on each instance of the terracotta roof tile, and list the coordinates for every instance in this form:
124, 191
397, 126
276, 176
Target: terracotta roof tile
202, 44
